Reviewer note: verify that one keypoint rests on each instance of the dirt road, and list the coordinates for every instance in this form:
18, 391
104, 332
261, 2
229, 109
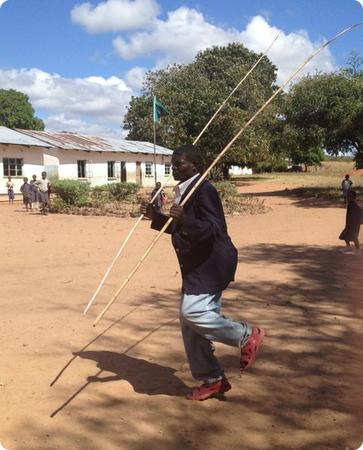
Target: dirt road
122, 385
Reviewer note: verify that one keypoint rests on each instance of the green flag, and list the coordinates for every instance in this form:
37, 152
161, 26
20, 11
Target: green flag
158, 110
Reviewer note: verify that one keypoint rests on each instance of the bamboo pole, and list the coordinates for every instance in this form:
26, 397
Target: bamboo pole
170, 176
221, 154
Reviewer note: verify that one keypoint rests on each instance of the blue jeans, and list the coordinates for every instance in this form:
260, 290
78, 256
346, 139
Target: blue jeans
201, 324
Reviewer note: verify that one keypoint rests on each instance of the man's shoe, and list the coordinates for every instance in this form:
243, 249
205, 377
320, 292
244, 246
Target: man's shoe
209, 390
357, 252
250, 350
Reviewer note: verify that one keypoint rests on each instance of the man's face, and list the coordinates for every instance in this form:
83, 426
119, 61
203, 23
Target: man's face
44, 175
182, 168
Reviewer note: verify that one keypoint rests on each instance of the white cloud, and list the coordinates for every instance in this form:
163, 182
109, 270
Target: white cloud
115, 15
81, 102
135, 77
2, 2
185, 32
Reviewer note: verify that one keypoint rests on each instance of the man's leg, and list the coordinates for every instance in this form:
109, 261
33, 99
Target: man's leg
202, 314
200, 353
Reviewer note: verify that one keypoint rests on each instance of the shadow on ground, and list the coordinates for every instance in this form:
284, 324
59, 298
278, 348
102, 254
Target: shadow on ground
302, 394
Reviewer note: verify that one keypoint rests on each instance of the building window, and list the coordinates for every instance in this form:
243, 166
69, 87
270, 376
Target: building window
81, 165
149, 169
111, 172
13, 167
167, 169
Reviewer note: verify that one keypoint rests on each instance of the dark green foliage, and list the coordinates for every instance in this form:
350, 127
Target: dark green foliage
17, 112
72, 192
325, 111
122, 191
193, 92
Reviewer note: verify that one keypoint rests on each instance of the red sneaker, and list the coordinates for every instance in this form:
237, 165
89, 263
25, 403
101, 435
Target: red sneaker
250, 350
209, 390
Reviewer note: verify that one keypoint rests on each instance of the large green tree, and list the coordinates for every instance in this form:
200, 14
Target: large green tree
326, 110
193, 92
17, 112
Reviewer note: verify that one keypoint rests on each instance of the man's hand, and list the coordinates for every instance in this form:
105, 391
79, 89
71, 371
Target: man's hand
177, 213
147, 210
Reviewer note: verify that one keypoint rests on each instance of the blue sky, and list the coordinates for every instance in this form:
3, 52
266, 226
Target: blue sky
81, 62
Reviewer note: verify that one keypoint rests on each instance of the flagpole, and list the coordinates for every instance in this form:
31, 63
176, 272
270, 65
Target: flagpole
154, 120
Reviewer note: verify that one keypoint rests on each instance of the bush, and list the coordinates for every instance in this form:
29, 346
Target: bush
122, 191
234, 203
226, 189
72, 192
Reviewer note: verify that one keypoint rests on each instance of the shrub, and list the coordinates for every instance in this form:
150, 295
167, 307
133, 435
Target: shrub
226, 189
123, 191
100, 195
234, 203
72, 192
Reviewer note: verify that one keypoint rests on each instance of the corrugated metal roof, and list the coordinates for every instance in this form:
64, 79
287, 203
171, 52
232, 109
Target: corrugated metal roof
74, 141
8, 136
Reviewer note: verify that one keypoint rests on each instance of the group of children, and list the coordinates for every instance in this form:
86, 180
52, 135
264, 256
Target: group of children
36, 192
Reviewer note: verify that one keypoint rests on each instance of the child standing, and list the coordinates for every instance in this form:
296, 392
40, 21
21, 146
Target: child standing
346, 187
354, 218
35, 190
27, 191
160, 199
10, 186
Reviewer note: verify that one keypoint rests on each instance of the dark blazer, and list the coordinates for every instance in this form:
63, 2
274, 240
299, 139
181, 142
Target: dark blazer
206, 255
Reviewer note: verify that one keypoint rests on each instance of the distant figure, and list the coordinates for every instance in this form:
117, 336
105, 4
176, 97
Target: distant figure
35, 190
353, 222
10, 186
346, 187
27, 191
160, 199
44, 190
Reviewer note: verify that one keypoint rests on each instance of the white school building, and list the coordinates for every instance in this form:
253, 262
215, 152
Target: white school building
72, 156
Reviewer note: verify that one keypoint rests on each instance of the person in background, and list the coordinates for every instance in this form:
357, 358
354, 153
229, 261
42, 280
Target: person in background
27, 191
35, 190
10, 187
44, 190
346, 187
354, 219
160, 199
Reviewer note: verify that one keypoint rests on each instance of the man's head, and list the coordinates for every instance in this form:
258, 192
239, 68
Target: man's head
34, 177
158, 185
25, 179
185, 162
347, 176
44, 175
9, 178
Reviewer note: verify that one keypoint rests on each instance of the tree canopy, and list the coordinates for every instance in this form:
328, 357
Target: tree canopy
326, 111
193, 92
17, 112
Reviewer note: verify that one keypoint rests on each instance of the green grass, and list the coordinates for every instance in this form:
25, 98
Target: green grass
324, 183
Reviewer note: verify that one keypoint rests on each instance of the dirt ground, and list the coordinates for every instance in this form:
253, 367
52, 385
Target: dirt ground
121, 385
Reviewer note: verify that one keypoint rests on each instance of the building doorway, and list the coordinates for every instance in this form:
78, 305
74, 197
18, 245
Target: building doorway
123, 175
138, 173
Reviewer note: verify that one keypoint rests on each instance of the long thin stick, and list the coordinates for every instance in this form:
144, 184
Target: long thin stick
222, 153
170, 176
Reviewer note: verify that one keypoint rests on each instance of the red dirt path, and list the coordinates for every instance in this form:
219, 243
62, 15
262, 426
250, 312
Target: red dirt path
125, 390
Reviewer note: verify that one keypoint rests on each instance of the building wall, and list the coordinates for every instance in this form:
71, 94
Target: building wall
96, 166
33, 163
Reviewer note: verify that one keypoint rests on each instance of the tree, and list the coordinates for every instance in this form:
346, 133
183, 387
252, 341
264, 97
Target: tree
17, 112
193, 92
326, 110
